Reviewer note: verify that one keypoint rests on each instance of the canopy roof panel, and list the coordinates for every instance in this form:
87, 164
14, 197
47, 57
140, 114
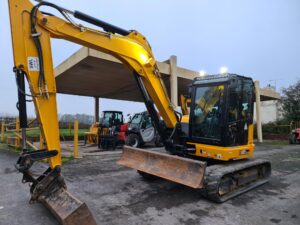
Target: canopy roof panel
91, 73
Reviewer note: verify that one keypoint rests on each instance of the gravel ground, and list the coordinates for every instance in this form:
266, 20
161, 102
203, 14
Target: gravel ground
118, 195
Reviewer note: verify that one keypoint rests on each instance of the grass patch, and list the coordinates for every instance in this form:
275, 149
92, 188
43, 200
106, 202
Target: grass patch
6, 147
12, 149
3, 146
65, 134
66, 159
276, 142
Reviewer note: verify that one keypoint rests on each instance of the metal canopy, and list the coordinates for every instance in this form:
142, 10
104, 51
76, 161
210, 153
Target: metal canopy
92, 73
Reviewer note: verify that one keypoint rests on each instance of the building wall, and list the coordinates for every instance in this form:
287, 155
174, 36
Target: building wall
270, 111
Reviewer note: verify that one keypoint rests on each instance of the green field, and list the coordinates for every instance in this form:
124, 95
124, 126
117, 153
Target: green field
65, 134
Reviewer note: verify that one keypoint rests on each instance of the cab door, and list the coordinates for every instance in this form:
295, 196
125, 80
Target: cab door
207, 107
147, 130
240, 111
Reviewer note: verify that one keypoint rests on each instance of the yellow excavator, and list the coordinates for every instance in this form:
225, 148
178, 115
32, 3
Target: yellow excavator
210, 150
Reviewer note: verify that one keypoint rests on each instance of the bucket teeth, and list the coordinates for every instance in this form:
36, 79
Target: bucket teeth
174, 168
67, 209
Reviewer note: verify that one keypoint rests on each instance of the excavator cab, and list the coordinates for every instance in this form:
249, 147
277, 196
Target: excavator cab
221, 110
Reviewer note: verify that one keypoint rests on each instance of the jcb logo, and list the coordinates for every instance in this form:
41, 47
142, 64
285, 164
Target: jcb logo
33, 64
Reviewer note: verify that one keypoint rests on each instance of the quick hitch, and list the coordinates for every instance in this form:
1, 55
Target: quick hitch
46, 183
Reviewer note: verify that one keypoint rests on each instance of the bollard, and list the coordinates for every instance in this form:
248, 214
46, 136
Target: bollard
76, 139
2, 131
18, 139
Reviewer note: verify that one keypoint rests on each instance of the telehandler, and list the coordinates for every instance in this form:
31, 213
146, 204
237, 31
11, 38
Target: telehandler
211, 151
141, 131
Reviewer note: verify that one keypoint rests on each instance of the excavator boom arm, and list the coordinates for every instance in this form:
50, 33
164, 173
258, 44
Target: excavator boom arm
31, 31
133, 50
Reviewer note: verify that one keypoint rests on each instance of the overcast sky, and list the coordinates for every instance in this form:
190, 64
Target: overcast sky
256, 38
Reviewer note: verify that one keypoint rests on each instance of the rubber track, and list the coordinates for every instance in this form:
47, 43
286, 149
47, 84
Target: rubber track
214, 174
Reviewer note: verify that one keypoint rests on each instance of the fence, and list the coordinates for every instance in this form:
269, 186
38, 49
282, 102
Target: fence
294, 125
278, 130
10, 134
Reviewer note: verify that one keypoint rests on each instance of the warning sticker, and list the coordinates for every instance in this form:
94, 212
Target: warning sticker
33, 64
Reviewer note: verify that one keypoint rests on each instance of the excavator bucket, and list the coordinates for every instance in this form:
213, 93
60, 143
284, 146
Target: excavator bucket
174, 168
67, 209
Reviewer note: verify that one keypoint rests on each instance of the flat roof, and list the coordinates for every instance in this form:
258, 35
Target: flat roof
92, 73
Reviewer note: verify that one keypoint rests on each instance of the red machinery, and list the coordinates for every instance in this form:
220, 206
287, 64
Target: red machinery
295, 136
112, 130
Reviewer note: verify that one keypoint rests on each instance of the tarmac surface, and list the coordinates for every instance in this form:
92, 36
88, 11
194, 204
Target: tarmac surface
119, 196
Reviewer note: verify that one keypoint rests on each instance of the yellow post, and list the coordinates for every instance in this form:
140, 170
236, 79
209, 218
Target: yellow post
18, 139
76, 139
2, 131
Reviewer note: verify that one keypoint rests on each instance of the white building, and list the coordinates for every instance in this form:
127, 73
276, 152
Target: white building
270, 110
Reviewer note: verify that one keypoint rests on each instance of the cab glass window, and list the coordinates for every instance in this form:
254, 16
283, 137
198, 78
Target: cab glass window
207, 113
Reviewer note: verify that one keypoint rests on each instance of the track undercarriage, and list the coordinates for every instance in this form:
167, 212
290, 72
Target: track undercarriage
228, 180
219, 182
